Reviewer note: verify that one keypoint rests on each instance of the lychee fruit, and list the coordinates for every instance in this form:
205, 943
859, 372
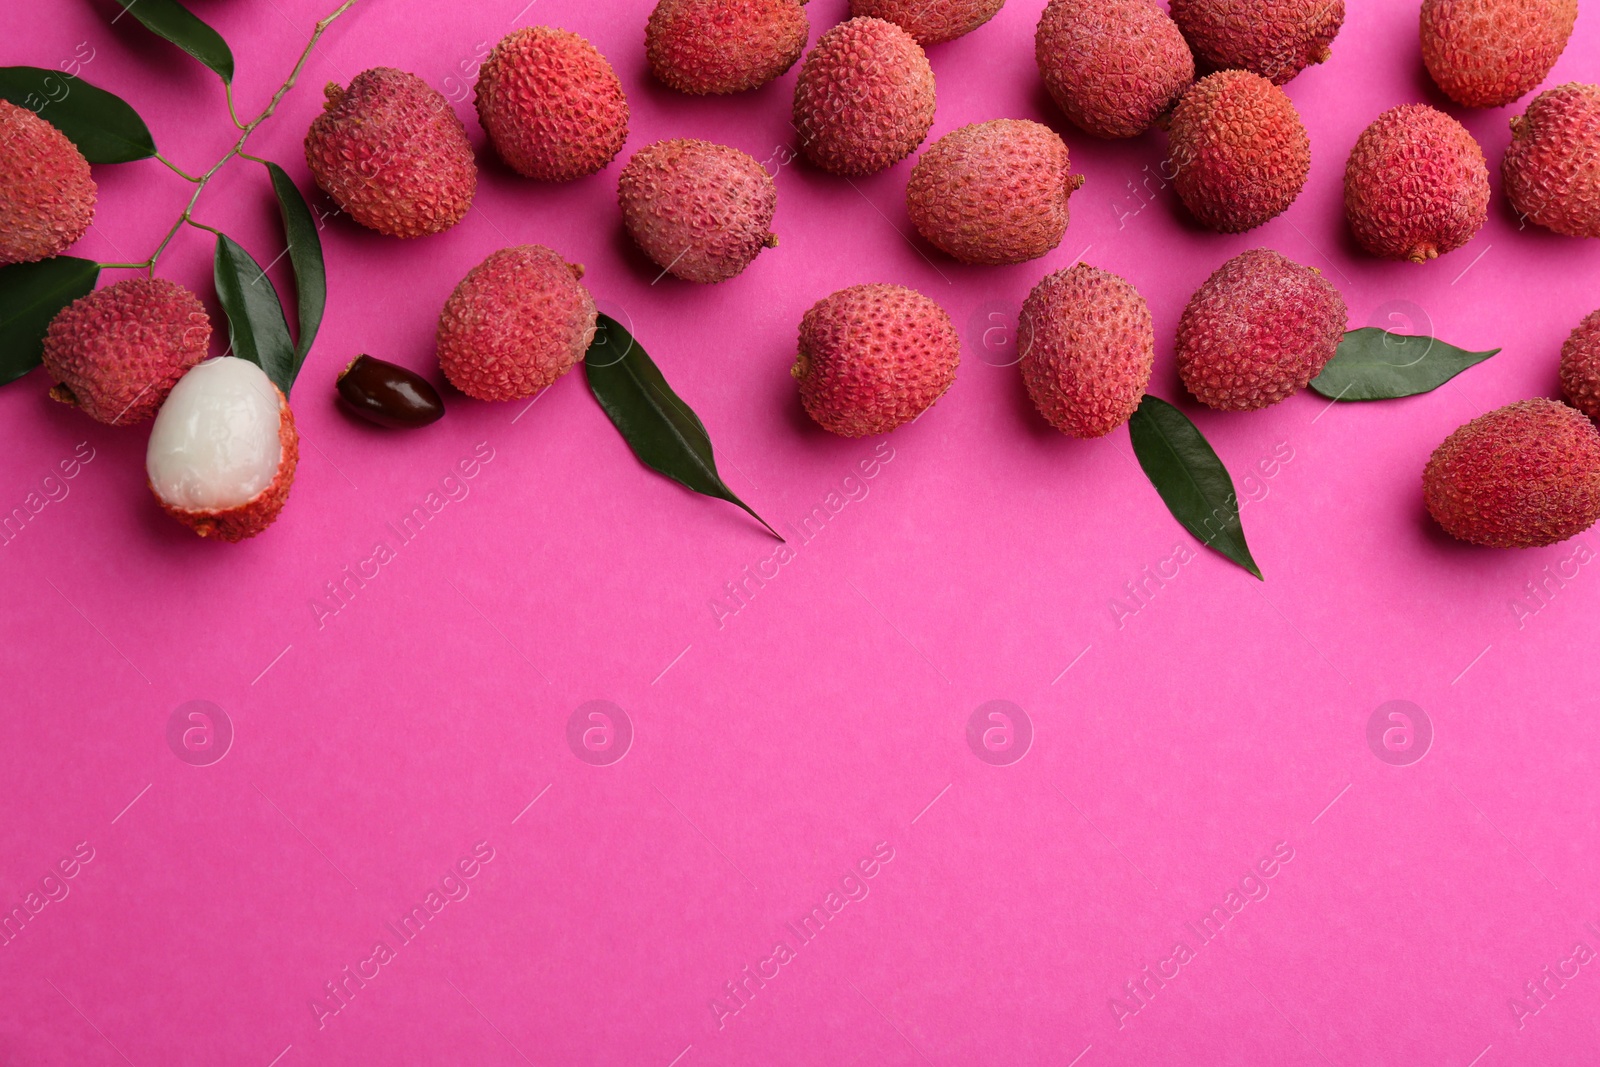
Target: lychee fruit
1487, 53
1257, 331
724, 46
1240, 152
1113, 66
701, 211
993, 192
46, 195
1580, 367
865, 97
1416, 185
1552, 166
874, 357
518, 321
1524, 476
223, 450
117, 352
392, 154
551, 104
930, 21
1088, 346
1276, 39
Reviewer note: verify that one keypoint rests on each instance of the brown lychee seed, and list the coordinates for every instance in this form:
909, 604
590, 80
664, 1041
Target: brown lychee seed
389, 395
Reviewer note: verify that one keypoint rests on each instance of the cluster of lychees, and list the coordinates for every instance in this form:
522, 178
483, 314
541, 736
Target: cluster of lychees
393, 154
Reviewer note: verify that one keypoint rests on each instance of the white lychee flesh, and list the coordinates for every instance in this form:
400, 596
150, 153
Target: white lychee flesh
216, 442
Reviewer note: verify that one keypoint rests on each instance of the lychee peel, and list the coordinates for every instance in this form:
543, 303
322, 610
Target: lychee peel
1088, 347
47, 197
1240, 151
931, 21
701, 211
1552, 166
874, 357
724, 46
1487, 53
518, 321
551, 104
1276, 39
117, 352
223, 451
1113, 66
1416, 185
1580, 367
993, 192
1259, 329
1524, 476
864, 99
392, 153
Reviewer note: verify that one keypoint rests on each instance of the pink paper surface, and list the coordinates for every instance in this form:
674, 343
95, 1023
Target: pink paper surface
1211, 736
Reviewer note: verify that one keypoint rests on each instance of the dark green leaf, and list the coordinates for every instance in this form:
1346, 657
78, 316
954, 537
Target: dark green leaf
1190, 478
30, 296
103, 126
170, 19
256, 326
659, 427
305, 256
1373, 364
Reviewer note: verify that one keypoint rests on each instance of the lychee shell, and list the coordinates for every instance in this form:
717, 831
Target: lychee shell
1240, 151
864, 99
260, 511
117, 352
1580, 366
931, 21
1276, 39
1552, 166
993, 192
1416, 185
392, 154
701, 211
1487, 53
1522, 476
551, 104
47, 197
1113, 66
874, 357
518, 321
1088, 347
724, 46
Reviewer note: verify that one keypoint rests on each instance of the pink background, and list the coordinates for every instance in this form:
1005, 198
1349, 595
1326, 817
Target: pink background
775, 747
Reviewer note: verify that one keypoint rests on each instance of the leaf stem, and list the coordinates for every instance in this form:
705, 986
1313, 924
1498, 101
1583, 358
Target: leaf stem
246, 129
180, 172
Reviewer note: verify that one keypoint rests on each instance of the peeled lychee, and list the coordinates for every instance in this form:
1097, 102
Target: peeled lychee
46, 195
931, 21
1257, 331
1114, 66
1088, 346
1276, 39
993, 192
1487, 53
874, 357
701, 211
724, 46
118, 352
1580, 367
552, 105
1416, 185
1523, 476
518, 321
1552, 166
865, 97
1240, 151
391, 152
223, 450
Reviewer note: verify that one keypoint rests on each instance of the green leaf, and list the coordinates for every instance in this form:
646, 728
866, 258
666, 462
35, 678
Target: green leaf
176, 23
662, 431
30, 296
102, 125
1192, 481
305, 256
257, 329
1373, 364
